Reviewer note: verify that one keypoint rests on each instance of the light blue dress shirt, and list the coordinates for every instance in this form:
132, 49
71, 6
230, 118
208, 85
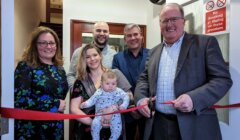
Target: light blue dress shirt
166, 74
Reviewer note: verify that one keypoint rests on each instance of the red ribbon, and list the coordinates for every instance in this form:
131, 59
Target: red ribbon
39, 115
214, 106
226, 106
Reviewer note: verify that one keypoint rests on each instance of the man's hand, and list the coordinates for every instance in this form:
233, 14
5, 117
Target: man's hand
184, 103
145, 111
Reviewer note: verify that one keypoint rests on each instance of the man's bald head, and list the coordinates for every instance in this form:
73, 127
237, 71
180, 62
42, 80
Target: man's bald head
100, 33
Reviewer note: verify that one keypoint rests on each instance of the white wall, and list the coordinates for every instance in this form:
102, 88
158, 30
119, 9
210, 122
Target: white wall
7, 35
196, 9
153, 27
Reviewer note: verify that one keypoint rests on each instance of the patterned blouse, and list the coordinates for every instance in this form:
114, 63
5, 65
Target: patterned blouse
39, 88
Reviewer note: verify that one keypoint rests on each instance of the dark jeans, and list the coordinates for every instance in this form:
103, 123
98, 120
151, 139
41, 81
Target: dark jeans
165, 127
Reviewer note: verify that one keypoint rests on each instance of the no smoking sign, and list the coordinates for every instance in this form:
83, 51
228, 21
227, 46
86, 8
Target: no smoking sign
221, 3
211, 5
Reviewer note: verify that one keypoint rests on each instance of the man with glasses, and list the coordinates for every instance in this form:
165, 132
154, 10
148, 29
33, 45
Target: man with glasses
100, 38
131, 63
188, 73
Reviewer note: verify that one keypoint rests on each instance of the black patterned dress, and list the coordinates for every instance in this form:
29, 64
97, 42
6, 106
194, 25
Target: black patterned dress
39, 89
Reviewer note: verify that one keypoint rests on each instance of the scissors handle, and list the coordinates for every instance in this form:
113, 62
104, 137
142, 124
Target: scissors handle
151, 106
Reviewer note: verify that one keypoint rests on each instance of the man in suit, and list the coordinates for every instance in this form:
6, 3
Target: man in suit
189, 71
131, 63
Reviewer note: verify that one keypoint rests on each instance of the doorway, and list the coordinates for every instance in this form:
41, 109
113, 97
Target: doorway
80, 29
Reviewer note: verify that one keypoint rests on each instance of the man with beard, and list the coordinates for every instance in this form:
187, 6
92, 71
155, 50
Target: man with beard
100, 39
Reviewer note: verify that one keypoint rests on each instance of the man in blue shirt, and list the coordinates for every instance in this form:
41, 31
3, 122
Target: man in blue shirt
131, 63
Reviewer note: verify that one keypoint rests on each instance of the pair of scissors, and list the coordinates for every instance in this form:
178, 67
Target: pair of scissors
151, 106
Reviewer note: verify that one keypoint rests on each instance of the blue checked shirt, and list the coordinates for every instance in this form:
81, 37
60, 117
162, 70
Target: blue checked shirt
166, 74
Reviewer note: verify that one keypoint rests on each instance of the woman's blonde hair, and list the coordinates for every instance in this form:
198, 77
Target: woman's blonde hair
82, 68
30, 54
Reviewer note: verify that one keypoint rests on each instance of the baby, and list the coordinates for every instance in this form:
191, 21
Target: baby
109, 94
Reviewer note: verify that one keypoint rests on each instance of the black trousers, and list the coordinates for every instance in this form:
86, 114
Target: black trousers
165, 127
135, 129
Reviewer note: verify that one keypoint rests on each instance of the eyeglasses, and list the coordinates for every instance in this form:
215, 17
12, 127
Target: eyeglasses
45, 43
171, 20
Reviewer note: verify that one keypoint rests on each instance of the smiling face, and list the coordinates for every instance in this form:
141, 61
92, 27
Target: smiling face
171, 23
101, 33
93, 59
46, 47
133, 38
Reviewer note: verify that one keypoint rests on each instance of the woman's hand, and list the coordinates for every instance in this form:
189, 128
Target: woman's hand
75, 109
106, 119
62, 105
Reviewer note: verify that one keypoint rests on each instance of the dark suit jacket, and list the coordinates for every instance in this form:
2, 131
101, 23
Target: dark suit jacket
121, 62
202, 74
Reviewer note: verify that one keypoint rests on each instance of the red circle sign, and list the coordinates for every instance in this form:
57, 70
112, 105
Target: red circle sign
221, 3
209, 5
